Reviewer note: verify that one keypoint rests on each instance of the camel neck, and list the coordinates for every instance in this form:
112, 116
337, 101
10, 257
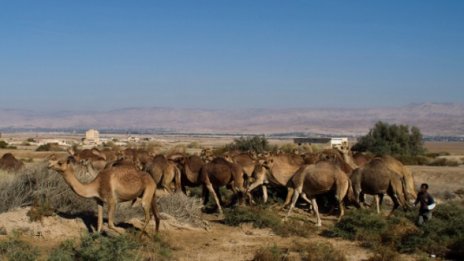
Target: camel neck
88, 190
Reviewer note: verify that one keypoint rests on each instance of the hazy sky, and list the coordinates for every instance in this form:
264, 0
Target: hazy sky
102, 55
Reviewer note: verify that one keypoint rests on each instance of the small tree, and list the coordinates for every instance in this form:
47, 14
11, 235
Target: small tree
258, 144
397, 140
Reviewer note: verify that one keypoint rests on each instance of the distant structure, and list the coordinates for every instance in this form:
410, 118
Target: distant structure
334, 143
92, 136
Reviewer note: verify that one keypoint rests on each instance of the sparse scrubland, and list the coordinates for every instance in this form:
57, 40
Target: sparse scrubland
46, 194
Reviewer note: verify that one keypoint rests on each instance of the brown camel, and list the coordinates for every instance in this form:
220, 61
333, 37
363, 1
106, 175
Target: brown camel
164, 172
190, 167
319, 178
218, 173
278, 170
92, 157
8, 162
376, 178
361, 159
111, 186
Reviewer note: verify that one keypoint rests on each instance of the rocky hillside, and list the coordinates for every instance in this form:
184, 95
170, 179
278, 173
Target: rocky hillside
431, 118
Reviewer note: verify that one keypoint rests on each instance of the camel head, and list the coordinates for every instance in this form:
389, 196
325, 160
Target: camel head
228, 158
259, 171
61, 165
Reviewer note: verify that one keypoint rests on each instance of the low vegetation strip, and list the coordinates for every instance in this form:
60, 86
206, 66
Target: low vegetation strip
442, 236
262, 217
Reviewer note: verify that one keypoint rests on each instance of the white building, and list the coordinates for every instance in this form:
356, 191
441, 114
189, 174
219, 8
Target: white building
92, 136
339, 143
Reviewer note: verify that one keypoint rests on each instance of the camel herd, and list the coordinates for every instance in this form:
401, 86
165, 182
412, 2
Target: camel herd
135, 173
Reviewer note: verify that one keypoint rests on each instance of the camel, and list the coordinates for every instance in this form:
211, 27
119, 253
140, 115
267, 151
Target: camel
111, 186
8, 162
361, 159
377, 178
164, 172
247, 160
278, 170
319, 178
190, 167
220, 172
92, 157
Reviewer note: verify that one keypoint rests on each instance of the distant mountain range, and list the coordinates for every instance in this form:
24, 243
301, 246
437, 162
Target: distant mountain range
431, 118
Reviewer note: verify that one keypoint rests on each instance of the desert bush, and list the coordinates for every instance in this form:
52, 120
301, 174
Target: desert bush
3, 144
320, 251
14, 249
382, 253
444, 162
121, 247
194, 145
288, 147
437, 154
260, 217
182, 208
392, 139
442, 235
414, 160
295, 227
258, 144
49, 147
37, 184
270, 254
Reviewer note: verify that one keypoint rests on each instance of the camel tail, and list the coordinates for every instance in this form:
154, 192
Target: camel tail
177, 179
350, 195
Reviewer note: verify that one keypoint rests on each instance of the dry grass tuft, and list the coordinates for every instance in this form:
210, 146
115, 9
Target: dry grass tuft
184, 209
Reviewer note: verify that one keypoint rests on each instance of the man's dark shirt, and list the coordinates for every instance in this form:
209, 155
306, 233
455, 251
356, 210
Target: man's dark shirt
425, 200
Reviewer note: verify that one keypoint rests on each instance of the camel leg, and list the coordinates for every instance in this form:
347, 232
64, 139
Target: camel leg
295, 196
305, 198
100, 217
148, 197
255, 184
111, 210
342, 210
316, 210
154, 209
264, 188
377, 203
216, 199
395, 200
288, 199
205, 195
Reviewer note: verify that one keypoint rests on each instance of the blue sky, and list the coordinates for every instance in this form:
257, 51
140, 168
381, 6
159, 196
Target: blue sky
100, 55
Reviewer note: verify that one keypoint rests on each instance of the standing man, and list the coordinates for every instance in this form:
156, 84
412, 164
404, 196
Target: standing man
427, 203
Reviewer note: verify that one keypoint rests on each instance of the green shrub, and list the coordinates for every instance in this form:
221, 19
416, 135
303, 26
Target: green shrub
258, 144
442, 235
122, 247
49, 147
392, 139
64, 252
15, 249
260, 217
3, 144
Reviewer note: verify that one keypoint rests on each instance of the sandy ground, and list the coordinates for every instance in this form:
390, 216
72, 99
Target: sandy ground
440, 179
219, 242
